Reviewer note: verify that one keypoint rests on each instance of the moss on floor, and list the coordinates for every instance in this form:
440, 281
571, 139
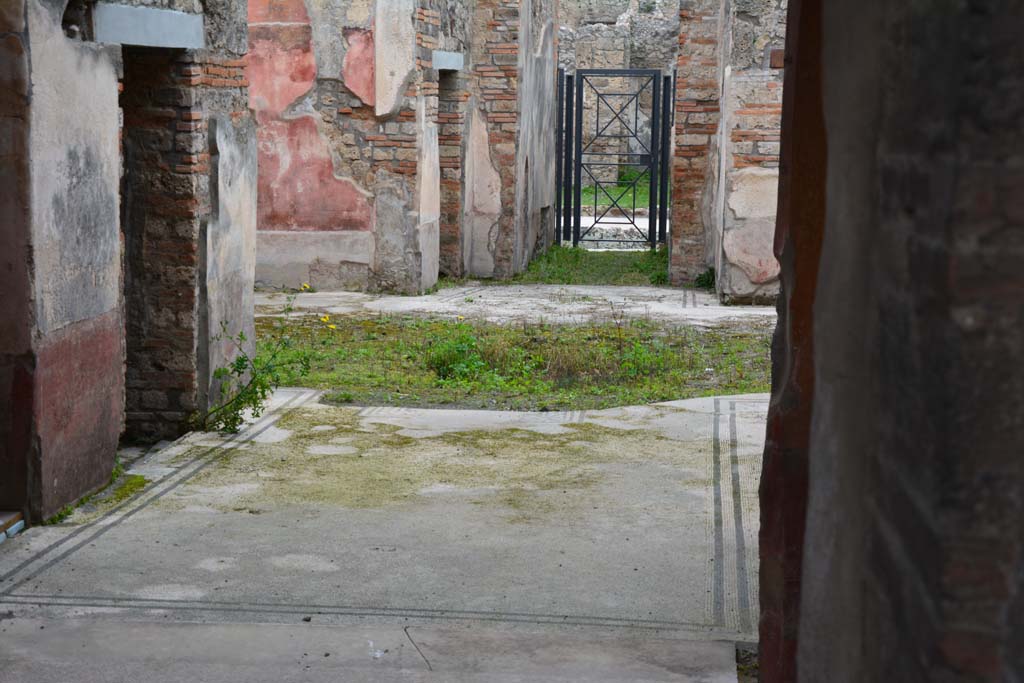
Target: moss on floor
525, 472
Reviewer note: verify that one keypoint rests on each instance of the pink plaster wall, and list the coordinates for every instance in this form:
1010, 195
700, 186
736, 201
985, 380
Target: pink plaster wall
297, 186
359, 65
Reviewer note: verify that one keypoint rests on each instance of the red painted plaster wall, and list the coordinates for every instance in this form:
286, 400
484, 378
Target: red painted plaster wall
298, 189
78, 404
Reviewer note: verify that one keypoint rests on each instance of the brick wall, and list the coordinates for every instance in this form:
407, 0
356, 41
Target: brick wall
453, 96
167, 100
496, 74
164, 157
698, 112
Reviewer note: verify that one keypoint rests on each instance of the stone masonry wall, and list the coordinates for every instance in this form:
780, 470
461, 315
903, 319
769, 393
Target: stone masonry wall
740, 214
617, 35
369, 179
346, 104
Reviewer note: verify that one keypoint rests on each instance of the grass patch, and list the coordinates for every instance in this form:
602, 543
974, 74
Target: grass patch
577, 266
632, 190
421, 362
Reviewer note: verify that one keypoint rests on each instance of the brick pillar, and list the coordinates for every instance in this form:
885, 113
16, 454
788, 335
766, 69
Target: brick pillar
168, 97
452, 100
697, 116
497, 79
164, 145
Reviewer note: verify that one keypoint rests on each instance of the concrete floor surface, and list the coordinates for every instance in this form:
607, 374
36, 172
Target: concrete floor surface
601, 545
570, 304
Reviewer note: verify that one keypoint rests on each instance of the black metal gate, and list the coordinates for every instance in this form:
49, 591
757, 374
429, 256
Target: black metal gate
614, 144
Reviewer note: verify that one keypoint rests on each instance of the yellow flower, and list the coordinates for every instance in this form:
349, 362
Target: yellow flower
332, 327
306, 287
460, 317
325, 319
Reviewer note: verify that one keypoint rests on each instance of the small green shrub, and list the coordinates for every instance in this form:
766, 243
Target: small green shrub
706, 280
641, 359
659, 278
247, 382
457, 358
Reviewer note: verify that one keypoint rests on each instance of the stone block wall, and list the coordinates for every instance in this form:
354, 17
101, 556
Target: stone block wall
617, 35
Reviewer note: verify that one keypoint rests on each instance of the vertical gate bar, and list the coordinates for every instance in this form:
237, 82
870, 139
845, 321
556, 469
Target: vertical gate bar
558, 157
567, 175
578, 163
652, 214
667, 105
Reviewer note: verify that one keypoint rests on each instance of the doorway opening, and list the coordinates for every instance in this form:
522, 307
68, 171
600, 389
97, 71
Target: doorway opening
614, 143
161, 202
451, 121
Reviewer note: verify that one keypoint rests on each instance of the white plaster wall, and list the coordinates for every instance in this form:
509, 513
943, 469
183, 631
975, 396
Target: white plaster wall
230, 245
535, 172
75, 169
482, 200
428, 190
394, 53
325, 260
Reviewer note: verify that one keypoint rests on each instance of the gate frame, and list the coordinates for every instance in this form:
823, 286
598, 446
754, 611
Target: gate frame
571, 153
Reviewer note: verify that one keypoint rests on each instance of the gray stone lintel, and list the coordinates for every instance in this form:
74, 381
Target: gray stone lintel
147, 27
448, 61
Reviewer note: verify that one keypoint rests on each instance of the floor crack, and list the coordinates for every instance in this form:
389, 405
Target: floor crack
425, 660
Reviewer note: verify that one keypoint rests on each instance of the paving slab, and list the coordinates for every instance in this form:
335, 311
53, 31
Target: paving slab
608, 528
87, 651
562, 304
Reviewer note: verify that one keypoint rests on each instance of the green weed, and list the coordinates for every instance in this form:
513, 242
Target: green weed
422, 362
706, 280
577, 266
